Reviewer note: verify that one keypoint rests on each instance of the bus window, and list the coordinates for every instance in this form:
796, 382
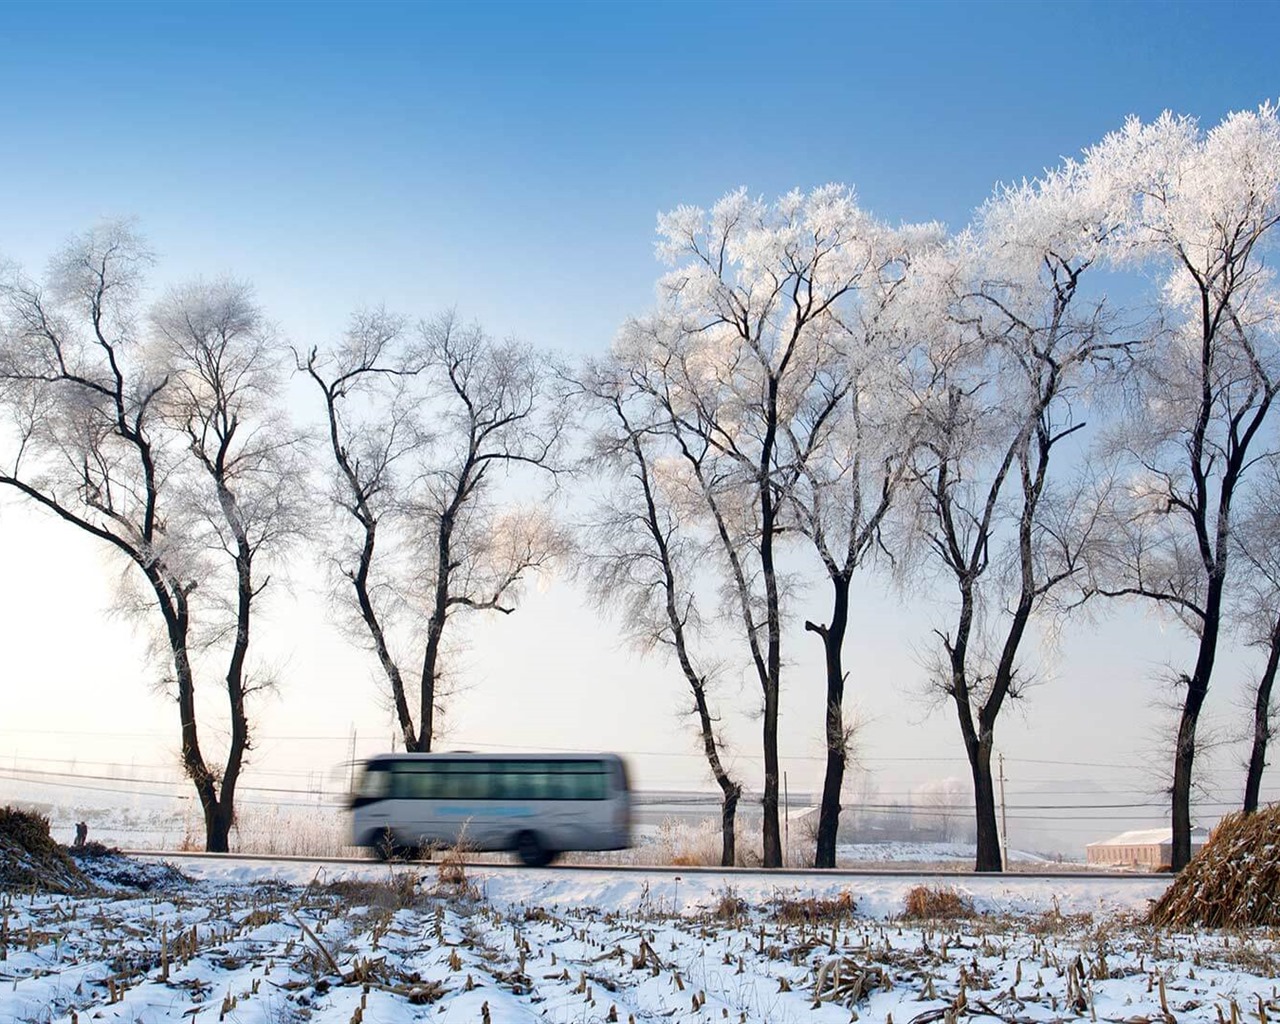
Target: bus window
535, 784
592, 787
374, 784
471, 784
446, 780
501, 784
411, 785
559, 785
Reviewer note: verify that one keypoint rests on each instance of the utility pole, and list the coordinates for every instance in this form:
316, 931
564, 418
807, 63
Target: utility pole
1004, 821
351, 782
786, 819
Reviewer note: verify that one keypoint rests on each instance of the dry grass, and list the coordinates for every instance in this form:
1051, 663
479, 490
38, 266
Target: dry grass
320, 831
813, 909
1234, 882
393, 893
936, 903
729, 906
314, 832
451, 872
26, 829
682, 844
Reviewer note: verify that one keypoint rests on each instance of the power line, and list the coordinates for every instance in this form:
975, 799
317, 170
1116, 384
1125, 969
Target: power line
950, 811
691, 755
144, 781
320, 801
116, 762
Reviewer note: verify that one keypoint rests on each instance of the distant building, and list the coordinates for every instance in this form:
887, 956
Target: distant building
1150, 848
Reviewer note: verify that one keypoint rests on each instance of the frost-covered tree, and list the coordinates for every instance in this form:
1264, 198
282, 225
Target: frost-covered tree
160, 438
642, 549
1015, 354
425, 428
1202, 209
861, 430
735, 357
241, 497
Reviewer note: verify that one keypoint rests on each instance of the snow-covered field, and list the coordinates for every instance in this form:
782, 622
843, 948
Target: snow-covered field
268, 944
922, 853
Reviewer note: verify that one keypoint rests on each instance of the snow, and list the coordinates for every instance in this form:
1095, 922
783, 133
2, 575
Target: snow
693, 889
921, 853
254, 942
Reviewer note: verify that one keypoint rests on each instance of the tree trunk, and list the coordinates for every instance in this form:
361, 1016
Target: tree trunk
360, 581
771, 833
226, 811
435, 633
706, 724
217, 824
977, 744
728, 819
1261, 724
833, 781
1185, 752
173, 608
988, 856
731, 790
1184, 756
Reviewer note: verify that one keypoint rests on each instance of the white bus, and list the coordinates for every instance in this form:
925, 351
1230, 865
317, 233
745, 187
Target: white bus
538, 805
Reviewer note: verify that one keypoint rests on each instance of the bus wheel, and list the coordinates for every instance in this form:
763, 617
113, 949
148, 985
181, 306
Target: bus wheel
530, 850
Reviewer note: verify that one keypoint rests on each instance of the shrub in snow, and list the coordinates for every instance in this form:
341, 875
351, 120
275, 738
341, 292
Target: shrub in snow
936, 903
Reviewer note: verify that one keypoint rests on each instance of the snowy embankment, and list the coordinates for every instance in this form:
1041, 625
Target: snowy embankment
693, 891
274, 944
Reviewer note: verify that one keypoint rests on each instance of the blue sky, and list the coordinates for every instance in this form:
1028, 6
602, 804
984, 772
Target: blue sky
510, 160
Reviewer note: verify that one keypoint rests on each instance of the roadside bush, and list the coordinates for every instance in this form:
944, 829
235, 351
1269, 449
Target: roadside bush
813, 909
396, 892
936, 903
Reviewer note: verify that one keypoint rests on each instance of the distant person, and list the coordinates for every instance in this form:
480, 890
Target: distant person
82, 833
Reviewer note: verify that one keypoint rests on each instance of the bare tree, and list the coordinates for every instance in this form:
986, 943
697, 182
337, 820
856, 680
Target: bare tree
422, 428
1202, 208
1256, 608
733, 357
165, 447
855, 458
1021, 351
641, 554
242, 500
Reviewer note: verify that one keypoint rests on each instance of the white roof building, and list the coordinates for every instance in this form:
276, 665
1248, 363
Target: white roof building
1145, 847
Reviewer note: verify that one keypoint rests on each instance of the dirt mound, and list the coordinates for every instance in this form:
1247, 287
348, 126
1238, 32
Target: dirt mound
109, 869
30, 857
1234, 882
